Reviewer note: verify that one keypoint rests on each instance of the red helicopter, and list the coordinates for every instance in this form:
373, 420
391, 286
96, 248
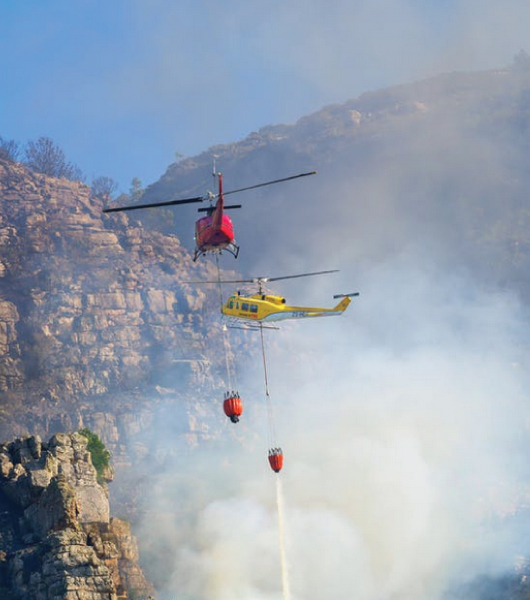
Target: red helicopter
214, 232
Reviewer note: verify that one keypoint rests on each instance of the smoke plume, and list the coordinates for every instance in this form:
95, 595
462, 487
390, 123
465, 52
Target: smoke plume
403, 422
404, 429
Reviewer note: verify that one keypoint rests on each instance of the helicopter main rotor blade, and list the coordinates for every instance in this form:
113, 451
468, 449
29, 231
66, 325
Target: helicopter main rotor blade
202, 198
154, 204
252, 187
211, 208
265, 279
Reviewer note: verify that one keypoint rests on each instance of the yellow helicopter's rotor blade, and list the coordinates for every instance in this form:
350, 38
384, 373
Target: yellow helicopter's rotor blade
267, 279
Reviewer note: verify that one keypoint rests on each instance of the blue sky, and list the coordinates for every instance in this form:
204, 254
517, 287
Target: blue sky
122, 85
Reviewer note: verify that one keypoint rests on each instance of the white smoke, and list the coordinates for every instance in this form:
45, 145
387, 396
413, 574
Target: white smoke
404, 429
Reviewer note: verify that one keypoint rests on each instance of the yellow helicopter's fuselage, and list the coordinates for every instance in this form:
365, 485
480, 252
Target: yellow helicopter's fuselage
265, 307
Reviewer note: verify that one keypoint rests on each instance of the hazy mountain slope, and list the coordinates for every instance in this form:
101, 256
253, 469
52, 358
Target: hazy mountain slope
437, 167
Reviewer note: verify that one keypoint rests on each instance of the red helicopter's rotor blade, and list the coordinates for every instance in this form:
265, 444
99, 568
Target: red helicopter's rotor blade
154, 204
266, 279
252, 187
211, 208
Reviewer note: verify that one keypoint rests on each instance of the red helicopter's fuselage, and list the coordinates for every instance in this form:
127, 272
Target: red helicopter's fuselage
214, 233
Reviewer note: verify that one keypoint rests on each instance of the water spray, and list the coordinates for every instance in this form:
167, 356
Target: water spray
286, 588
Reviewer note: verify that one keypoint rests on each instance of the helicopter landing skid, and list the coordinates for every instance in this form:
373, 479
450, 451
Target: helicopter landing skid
233, 249
234, 323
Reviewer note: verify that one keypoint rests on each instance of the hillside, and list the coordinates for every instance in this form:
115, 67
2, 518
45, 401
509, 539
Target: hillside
438, 167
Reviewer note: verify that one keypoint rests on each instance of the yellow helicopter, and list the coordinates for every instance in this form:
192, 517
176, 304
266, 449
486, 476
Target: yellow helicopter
265, 308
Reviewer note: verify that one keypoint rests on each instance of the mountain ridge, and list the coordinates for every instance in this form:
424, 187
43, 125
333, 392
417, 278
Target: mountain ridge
439, 162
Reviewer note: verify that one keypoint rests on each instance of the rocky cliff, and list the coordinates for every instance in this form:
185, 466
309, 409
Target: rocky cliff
57, 538
96, 327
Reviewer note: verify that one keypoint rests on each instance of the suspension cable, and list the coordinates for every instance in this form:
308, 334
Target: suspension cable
230, 369
267, 395
270, 413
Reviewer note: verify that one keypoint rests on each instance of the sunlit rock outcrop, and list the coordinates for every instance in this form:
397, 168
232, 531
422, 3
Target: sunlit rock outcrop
57, 539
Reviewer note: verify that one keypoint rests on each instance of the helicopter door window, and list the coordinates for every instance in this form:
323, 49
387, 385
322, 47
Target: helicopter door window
244, 306
253, 308
231, 304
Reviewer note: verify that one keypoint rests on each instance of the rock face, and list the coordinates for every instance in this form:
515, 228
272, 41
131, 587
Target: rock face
97, 330
85, 300
57, 539
94, 317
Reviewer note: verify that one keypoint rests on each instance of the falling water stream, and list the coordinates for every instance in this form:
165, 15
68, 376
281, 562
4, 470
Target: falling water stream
281, 538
